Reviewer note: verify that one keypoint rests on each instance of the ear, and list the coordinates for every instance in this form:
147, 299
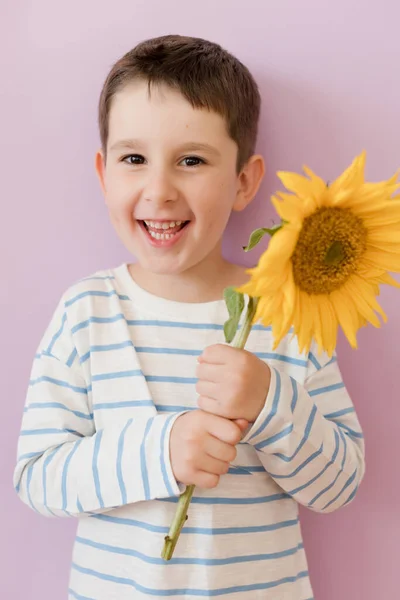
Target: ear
249, 181
100, 169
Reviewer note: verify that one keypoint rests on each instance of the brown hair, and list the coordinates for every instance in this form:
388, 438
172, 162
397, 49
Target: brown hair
207, 76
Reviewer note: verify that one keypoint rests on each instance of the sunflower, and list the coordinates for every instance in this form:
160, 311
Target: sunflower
324, 265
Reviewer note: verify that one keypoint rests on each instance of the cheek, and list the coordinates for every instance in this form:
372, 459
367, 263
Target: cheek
219, 206
118, 201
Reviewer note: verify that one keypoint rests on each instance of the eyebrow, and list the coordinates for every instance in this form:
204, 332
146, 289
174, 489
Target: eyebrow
188, 147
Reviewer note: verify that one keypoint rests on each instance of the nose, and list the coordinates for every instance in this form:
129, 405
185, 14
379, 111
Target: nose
160, 187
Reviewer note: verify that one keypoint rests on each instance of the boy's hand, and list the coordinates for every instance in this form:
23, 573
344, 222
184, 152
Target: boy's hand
232, 382
202, 446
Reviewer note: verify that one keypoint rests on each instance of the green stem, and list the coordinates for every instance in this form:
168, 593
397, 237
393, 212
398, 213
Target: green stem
181, 516
241, 338
176, 526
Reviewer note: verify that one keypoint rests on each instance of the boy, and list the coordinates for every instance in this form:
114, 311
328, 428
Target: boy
133, 393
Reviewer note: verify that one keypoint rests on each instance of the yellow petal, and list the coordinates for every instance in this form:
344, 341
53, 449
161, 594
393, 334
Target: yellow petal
388, 280
363, 296
388, 214
380, 259
328, 323
304, 324
299, 185
266, 308
352, 177
288, 307
319, 185
385, 234
280, 249
346, 315
289, 208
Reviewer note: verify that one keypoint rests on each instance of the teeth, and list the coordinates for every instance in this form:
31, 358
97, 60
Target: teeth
161, 236
158, 225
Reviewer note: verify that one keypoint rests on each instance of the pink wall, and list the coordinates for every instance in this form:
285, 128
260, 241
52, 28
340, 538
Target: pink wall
328, 73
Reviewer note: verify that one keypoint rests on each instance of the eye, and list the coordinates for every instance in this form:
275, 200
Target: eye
137, 159
193, 161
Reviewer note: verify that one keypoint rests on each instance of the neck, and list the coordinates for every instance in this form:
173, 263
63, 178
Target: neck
204, 283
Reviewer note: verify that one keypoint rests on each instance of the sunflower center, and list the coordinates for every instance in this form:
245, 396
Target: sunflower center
327, 252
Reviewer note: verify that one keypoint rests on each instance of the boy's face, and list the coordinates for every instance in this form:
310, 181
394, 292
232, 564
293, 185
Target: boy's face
169, 163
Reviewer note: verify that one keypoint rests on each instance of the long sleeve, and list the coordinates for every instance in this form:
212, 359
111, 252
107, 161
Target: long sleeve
67, 467
308, 437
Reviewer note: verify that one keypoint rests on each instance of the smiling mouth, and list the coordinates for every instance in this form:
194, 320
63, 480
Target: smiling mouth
163, 230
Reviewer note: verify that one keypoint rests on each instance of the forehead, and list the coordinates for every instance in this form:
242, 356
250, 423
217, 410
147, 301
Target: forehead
163, 113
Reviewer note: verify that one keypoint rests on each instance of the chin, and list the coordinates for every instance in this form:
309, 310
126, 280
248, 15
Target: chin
163, 268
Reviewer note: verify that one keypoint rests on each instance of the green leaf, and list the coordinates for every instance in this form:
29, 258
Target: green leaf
235, 305
258, 234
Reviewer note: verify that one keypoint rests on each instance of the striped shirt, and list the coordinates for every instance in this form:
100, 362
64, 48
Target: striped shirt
115, 368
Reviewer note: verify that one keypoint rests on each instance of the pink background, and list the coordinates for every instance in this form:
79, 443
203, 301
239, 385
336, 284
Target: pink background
329, 76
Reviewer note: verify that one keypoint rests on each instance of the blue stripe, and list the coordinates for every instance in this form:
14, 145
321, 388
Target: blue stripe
328, 388
122, 404
331, 485
259, 327
155, 323
351, 432
165, 409
314, 361
48, 431
169, 379
274, 438
274, 408
254, 500
183, 352
346, 485
65, 474
74, 388
57, 334
345, 447
178, 351
189, 561
94, 277
98, 320
117, 375
105, 348
46, 463
78, 433
295, 392
174, 324
352, 495
72, 357
79, 505
163, 452
306, 435
119, 462
143, 466
340, 413
78, 596
199, 530
301, 466
95, 293
245, 470
281, 357
190, 591
31, 455
330, 463
28, 485
95, 469
61, 406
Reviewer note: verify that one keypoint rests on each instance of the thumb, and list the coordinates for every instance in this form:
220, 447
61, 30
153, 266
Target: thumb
242, 424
